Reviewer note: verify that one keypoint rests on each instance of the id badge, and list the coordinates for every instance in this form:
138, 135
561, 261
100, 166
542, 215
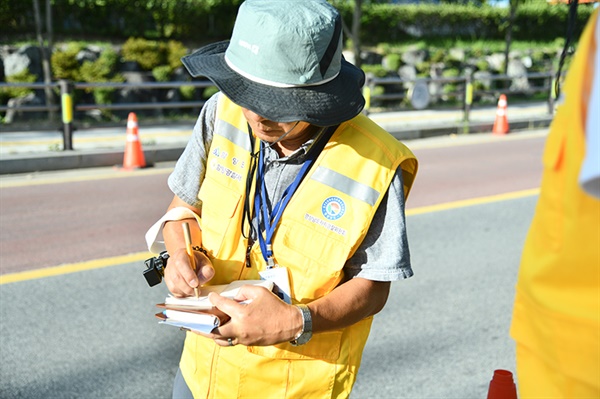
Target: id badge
279, 276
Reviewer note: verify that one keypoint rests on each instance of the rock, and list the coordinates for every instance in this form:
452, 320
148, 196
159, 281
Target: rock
86, 55
436, 71
26, 58
17, 102
484, 78
371, 58
130, 66
408, 72
457, 54
496, 62
349, 56
518, 72
136, 95
414, 57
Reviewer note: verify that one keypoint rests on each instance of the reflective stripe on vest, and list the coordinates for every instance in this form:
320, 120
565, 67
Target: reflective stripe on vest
346, 185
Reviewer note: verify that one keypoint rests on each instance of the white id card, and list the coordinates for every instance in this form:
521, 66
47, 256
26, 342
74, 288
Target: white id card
279, 276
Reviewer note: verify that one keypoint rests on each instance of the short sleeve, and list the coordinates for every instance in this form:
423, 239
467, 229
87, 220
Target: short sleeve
384, 254
186, 178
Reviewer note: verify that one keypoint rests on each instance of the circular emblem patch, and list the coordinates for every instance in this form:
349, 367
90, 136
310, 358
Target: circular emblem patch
333, 208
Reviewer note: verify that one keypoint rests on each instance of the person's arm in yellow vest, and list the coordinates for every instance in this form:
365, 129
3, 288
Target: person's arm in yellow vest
267, 320
179, 276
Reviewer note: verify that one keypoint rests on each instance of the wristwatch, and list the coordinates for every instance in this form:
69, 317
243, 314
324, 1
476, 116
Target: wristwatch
306, 333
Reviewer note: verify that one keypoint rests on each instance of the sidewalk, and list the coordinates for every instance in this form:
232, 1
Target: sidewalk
26, 152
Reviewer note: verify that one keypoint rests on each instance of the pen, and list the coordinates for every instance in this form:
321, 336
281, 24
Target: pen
188, 247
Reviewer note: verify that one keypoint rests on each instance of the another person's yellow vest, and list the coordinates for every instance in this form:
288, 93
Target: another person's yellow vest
354, 171
557, 307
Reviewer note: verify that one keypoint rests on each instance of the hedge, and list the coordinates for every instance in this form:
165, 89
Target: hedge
202, 21
533, 22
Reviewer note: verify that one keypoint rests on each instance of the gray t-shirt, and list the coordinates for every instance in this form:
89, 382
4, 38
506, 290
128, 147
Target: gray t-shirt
382, 256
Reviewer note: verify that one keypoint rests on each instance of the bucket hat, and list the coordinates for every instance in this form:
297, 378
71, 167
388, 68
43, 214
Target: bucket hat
284, 62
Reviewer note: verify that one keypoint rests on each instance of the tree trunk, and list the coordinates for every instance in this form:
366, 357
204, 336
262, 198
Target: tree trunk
45, 50
508, 37
356, 17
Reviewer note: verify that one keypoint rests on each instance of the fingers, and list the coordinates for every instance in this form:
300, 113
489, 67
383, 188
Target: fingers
204, 268
226, 342
181, 279
225, 305
256, 317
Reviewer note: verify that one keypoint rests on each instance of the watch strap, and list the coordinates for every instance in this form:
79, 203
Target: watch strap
306, 333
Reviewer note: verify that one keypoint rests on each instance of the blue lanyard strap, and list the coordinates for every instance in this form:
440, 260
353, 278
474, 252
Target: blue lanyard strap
270, 219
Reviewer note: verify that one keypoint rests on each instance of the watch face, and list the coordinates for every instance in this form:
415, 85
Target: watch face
304, 338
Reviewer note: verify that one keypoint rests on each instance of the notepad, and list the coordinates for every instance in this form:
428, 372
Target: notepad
227, 290
199, 314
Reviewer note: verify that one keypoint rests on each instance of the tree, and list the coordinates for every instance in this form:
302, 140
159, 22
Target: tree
355, 36
353, 32
514, 4
46, 49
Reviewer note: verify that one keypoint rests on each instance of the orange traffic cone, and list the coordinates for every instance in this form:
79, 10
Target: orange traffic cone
134, 156
502, 386
501, 122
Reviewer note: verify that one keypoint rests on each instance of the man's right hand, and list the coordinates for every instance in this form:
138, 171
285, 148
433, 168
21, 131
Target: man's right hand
181, 279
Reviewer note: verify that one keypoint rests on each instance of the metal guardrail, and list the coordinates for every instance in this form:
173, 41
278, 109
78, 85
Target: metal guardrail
415, 91
68, 107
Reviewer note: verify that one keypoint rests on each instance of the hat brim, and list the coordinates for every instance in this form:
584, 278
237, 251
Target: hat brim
324, 105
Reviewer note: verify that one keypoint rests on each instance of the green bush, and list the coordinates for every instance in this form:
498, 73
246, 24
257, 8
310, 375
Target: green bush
162, 73
64, 62
187, 92
438, 55
393, 62
103, 70
151, 55
451, 73
376, 70
11, 92
147, 53
209, 91
175, 50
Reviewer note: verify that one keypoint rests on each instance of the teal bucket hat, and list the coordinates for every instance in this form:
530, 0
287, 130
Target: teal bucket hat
284, 62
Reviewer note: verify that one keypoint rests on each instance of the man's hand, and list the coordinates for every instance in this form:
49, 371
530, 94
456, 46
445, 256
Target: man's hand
181, 278
263, 319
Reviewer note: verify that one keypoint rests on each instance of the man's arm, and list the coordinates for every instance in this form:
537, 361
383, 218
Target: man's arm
349, 303
179, 276
267, 320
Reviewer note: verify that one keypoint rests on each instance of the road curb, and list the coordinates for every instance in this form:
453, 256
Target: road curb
77, 159
413, 133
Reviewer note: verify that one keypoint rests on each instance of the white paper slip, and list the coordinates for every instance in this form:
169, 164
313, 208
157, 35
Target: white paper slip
226, 290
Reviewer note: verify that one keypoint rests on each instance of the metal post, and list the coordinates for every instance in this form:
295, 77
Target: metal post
551, 92
367, 95
67, 114
468, 96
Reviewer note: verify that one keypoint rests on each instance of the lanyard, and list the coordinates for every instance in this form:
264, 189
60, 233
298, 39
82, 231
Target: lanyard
270, 218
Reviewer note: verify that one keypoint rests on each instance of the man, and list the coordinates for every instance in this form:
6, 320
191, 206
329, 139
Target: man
289, 182
556, 319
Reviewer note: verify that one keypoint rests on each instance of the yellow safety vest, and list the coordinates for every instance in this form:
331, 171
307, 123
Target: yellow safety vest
557, 306
322, 226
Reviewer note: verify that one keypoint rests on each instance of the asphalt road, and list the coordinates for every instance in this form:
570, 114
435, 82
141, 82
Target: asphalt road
91, 333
